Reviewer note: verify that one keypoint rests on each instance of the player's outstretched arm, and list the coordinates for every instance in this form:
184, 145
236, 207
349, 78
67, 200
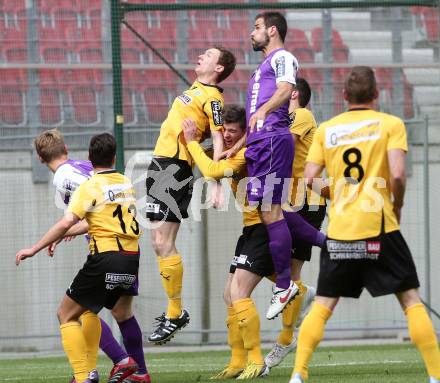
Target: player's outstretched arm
81, 227
56, 232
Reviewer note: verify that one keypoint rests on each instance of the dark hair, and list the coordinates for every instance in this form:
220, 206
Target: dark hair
228, 61
304, 91
360, 85
235, 114
102, 150
274, 19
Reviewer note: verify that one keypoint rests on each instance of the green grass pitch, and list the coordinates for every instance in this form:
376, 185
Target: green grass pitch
361, 364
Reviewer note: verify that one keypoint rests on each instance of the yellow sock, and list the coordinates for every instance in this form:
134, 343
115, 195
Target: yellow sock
171, 271
91, 328
235, 341
290, 316
310, 334
422, 334
75, 348
249, 325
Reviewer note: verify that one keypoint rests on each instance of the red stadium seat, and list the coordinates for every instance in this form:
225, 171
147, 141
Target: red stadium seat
51, 108
131, 55
17, 78
384, 78
12, 106
157, 103
14, 45
431, 22
90, 54
340, 50
66, 20
84, 100
16, 53
296, 39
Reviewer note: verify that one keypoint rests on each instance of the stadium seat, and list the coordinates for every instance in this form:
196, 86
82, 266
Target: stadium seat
131, 55
384, 77
340, 50
14, 53
88, 78
12, 106
431, 23
51, 106
84, 100
14, 40
87, 44
14, 14
54, 45
14, 77
66, 20
297, 39
157, 103
90, 54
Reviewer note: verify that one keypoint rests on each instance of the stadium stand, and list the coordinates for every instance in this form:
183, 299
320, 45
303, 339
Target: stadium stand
71, 32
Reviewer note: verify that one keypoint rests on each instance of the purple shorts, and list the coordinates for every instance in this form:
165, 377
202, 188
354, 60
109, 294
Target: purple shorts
269, 165
134, 288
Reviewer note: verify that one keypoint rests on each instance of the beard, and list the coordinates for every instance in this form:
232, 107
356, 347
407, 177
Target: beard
259, 46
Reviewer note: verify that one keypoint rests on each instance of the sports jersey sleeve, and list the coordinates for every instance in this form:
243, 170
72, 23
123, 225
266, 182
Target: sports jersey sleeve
316, 151
210, 168
397, 136
213, 108
285, 66
66, 180
81, 201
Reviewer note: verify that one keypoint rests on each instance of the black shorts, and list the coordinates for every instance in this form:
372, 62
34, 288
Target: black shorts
103, 279
252, 251
303, 250
169, 189
384, 266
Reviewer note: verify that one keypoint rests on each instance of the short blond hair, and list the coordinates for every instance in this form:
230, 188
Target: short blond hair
50, 145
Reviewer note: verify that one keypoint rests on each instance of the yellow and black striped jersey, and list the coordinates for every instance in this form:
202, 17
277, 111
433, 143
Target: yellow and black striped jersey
203, 104
107, 201
234, 167
303, 127
353, 148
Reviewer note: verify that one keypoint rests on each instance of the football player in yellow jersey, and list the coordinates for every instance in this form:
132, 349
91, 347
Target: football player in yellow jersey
68, 175
363, 152
104, 204
252, 260
311, 207
169, 177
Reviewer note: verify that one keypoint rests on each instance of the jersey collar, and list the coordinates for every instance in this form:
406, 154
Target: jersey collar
214, 86
110, 171
355, 109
